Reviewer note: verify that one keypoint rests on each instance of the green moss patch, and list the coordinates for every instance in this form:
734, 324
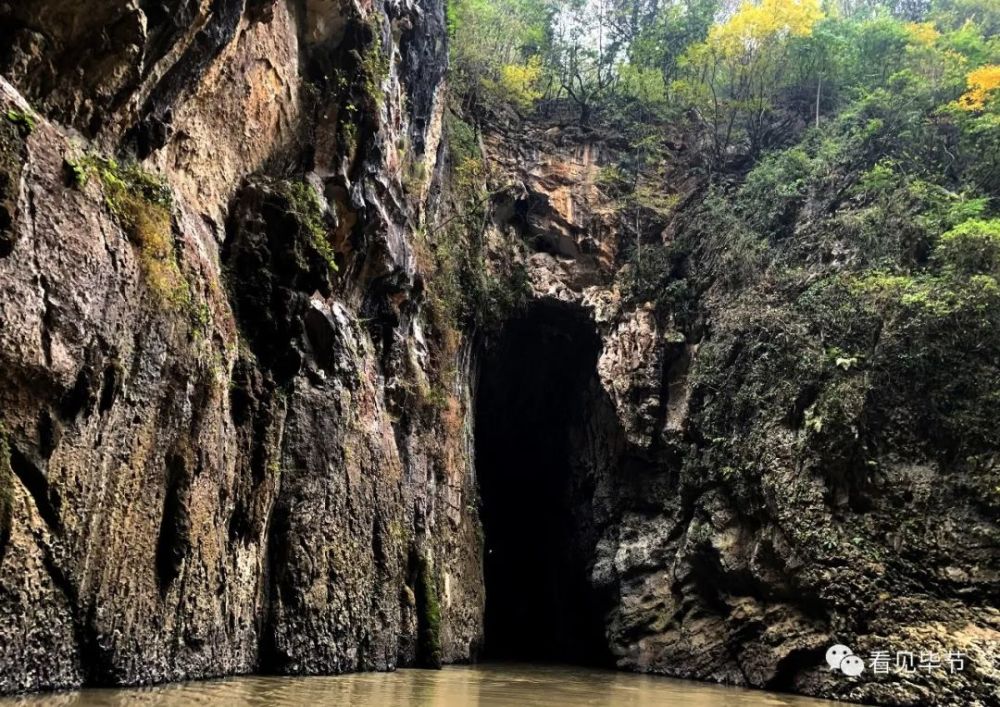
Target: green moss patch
375, 65
141, 203
26, 122
305, 207
428, 615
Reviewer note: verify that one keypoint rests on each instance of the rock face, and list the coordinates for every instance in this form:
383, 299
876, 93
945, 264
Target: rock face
211, 459
733, 526
234, 440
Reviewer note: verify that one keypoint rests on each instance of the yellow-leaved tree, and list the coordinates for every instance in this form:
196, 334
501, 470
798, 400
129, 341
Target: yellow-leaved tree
733, 76
924, 33
520, 82
983, 86
756, 27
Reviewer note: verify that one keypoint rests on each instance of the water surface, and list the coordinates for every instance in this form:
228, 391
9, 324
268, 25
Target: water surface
456, 686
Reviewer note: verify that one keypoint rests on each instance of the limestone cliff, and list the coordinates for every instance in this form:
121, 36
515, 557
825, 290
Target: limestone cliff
251, 424
739, 500
212, 462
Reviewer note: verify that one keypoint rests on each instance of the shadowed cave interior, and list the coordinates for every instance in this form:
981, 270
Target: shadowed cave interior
535, 389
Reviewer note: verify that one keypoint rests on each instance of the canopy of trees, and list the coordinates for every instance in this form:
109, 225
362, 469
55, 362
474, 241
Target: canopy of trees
829, 159
746, 75
898, 99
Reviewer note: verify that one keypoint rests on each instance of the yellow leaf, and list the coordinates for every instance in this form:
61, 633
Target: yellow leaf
520, 81
981, 84
756, 24
922, 33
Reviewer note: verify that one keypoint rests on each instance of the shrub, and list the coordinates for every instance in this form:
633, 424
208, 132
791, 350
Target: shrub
971, 247
519, 82
304, 205
775, 190
375, 64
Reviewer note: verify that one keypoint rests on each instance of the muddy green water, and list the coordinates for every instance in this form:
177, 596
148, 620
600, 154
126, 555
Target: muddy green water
494, 685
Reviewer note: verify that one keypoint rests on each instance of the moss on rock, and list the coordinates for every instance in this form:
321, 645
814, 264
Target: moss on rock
141, 203
304, 205
428, 615
24, 120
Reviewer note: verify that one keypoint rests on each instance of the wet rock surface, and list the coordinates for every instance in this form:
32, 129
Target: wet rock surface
233, 440
211, 459
731, 536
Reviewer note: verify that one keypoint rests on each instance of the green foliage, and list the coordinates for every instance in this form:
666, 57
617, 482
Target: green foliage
611, 178
956, 15
972, 247
428, 615
654, 274
734, 376
79, 171
846, 225
741, 77
375, 65
661, 40
463, 142
898, 214
978, 148
928, 354
466, 292
775, 191
833, 422
304, 205
935, 295
816, 73
879, 226
141, 203
520, 82
869, 361
875, 189
496, 50
25, 121
645, 86
734, 78
125, 183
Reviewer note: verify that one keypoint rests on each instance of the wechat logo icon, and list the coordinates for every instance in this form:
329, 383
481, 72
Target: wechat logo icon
842, 658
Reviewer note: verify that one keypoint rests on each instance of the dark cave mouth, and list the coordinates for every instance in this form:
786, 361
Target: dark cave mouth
532, 410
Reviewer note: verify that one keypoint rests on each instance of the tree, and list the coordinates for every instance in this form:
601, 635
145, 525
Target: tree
984, 86
735, 74
497, 49
663, 39
585, 53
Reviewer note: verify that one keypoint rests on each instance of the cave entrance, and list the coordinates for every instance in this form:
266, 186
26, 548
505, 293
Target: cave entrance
532, 408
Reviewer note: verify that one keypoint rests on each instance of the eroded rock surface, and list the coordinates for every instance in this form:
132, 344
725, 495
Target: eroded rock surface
234, 439
734, 533
212, 461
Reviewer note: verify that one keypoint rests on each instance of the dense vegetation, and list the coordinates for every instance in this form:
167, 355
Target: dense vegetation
746, 73
813, 183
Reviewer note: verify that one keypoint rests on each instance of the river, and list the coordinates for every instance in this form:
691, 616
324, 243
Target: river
486, 685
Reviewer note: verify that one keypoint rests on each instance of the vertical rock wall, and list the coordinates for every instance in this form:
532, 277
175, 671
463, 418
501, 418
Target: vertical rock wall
736, 526
213, 456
